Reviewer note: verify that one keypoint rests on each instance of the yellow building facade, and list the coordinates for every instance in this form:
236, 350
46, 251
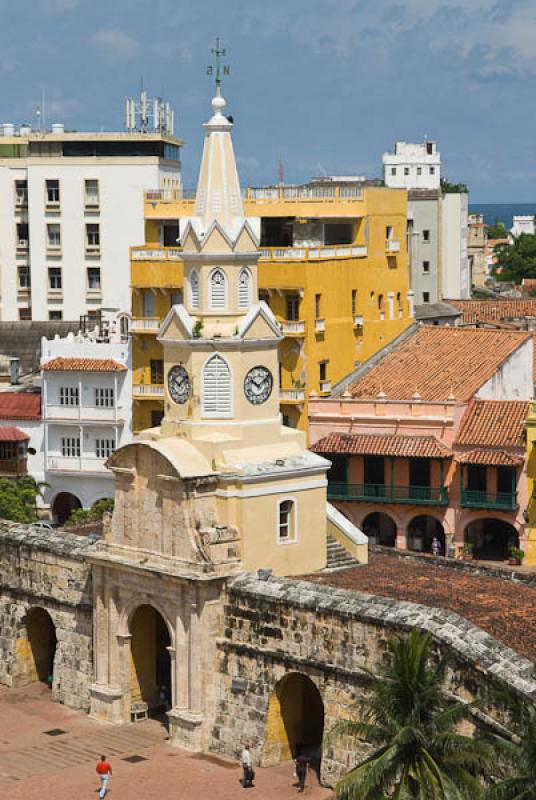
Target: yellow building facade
530, 555
333, 269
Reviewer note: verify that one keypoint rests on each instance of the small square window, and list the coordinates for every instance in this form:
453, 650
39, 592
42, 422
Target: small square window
91, 192
54, 236
93, 235
54, 278
25, 313
406, 170
55, 315
94, 278
323, 370
318, 301
354, 302
426, 297
393, 170
24, 277
426, 266
426, 236
432, 170
53, 192
419, 170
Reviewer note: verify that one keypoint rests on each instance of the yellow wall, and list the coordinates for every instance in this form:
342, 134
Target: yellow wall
341, 344
530, 555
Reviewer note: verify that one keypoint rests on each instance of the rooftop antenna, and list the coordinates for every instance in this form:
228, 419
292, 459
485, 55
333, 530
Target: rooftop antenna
281, 170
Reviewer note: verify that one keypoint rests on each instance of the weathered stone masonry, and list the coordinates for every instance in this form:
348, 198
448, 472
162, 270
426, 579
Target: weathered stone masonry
47, 570
279, 626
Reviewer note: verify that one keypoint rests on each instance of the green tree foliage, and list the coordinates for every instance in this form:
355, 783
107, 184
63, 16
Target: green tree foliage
18, 497
453, 188
517, 260
93, 514
412, 724
497, 230
519, 782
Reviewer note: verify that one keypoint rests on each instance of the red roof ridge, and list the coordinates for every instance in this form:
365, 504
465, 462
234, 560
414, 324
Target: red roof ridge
83, 364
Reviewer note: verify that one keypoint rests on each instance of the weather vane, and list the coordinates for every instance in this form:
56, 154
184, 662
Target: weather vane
219, 53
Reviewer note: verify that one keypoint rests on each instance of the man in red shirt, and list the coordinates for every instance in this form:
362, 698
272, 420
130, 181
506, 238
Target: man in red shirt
104, 770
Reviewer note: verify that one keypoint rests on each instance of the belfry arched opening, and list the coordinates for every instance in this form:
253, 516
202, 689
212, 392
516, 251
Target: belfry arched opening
150, 660
295, 722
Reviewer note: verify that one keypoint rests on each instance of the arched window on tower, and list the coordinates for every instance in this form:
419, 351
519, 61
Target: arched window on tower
244, 288
194, 289
217, 397
286, 521
218, 290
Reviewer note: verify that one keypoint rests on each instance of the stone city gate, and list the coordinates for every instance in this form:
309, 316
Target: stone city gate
46, 612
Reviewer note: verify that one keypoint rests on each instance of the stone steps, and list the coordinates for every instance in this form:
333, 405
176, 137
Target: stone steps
338, 557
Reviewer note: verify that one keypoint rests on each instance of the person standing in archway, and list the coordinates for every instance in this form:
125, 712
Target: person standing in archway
246, 767
104, 771
301, 770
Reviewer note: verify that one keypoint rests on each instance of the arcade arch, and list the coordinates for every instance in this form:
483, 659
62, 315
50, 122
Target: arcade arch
491, 538
422, 530
65, 503
380, 529
150, 665
295, 720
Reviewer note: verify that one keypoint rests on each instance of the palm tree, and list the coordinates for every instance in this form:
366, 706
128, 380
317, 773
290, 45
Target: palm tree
521, 760
411, 722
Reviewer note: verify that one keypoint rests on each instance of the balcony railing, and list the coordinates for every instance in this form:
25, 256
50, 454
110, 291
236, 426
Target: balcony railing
325, 387
505, 501
320, 325
292, 395
145, 324
13, 466
313, 253
392, 246
156, 254
84, 413
148, 389
358, 320
385, 493
76, 464
305, 192
293, 327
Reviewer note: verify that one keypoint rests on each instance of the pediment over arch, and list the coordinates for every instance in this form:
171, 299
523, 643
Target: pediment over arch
260, 323
177, 325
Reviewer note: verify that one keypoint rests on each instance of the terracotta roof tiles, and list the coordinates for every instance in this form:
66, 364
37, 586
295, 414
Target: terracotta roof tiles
495, 310
382, 445
493, 458
12, 434
20, 405
494, 423
439, 363
83, 365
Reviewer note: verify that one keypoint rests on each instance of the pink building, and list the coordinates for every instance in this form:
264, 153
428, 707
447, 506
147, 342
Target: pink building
429, 441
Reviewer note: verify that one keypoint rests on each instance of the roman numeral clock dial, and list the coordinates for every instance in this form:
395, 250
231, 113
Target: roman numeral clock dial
258, 385
179, 384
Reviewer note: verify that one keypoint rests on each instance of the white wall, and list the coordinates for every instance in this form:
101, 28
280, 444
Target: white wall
424, 169
514, 379
455, 268
34, 429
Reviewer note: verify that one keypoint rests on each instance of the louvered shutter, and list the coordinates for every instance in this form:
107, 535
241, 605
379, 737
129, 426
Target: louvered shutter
194, 289
218, 289
217, 390
244, 285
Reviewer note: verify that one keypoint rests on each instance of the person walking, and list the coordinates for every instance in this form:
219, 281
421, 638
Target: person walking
104, 771
246, 767
301, 771
436, 546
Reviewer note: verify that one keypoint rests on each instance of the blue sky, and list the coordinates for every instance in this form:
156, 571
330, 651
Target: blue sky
328, 84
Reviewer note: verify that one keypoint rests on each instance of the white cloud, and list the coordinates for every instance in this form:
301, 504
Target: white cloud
248, 162
115, 45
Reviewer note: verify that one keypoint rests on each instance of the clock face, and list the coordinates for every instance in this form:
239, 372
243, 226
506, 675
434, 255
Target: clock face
258, 385
179, 384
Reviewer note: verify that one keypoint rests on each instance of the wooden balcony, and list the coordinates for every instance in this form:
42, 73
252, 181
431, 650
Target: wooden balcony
385, 493
496, 501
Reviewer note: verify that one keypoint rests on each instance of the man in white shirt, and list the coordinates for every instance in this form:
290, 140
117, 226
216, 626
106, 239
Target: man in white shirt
246, 766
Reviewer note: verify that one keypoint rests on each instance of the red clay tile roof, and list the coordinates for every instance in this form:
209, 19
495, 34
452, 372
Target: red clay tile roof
489, 458
495, 310
438, 363
382, 445
84, 365
494, 423
20, 405
12, 434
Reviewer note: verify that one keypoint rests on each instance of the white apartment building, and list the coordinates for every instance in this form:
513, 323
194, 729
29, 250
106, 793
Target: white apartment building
71, 205
86, 413
412, 166
523, 224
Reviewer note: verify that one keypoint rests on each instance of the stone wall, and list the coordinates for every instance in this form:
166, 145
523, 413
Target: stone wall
46, 570
279, 626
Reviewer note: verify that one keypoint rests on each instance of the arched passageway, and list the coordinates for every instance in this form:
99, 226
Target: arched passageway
380, 529
150, 659
491, 539
421, 532
41, 636
295, 722
64, 504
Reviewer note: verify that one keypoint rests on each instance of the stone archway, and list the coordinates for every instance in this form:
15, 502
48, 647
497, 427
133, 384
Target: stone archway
295, 721
491, 538
38, 655
380, 529
150, 663
64, 503
421, 532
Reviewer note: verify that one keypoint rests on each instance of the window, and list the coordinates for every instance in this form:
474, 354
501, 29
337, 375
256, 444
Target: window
170, 233
380, 302
104, 448
25, 313
24, 277
354, 302
429, 148
216, 387
54, 236
148, 303
104, 398
54, 278
69, 396
419, 170
93, 278
70, 446
55, 316
23, 234
52, 192
91, 192
286, 522
93, 236
426, 236
21, 193
175, 299
389, 232
194, 289
393, 170
426, 297
157, 371
318, 299
426, 266
406, 170
264, 297
156, 418
338, 233
432, 170
218, 290
293, 307
323, 370
244, 288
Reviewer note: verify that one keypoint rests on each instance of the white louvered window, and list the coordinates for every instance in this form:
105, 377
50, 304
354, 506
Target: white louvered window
218, 290
244, 289
217, 388
194, 289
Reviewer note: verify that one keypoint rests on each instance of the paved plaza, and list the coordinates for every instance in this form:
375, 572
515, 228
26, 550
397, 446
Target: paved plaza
49, 752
